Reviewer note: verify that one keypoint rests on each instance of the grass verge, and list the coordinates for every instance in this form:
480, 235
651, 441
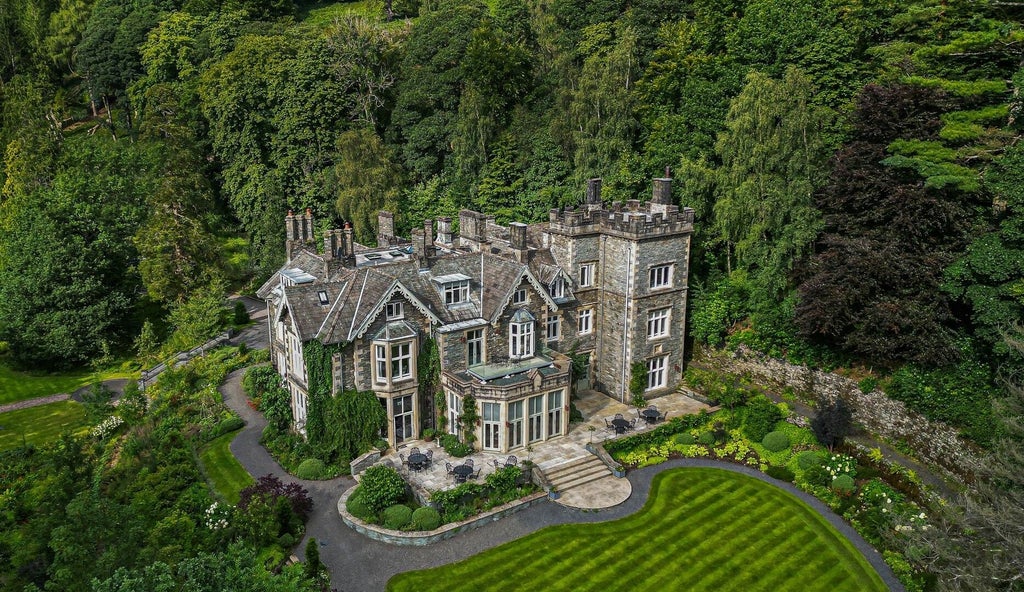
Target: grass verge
18, 386
701, 529
40, 425
222, 469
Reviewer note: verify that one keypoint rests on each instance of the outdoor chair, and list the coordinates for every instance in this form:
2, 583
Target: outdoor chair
430, 457
663, 416
511, 461
475, 475
652, 407
448, 467
468, 462
618, 416
632, 424
607, 423
414, 450
497, 465
402, 456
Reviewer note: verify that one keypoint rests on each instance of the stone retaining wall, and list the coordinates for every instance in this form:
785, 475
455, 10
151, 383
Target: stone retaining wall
446, 531
933, 441
365, 461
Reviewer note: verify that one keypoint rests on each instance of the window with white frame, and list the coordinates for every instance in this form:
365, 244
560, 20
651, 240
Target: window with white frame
401, 361
554, 413
557, 288
660, 276
322, 297
656, 372
520, 339
395, 311
381, 355
554, 326
584, 321
658, 322
474, 347
456, 292
392, 362
586, 275
519, 296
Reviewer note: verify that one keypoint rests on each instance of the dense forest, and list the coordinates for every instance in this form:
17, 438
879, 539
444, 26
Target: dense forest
854, 164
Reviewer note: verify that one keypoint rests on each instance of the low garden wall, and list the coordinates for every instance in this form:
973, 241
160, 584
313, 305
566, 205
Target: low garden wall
933, 441
364, 462
446, 531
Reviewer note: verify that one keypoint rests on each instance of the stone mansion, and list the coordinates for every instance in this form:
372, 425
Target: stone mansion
504, 305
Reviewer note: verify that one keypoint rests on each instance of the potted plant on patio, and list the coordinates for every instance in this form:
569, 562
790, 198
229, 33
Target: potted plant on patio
553, 493
619, 471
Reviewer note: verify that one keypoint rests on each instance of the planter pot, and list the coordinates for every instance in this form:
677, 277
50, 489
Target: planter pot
554, 495
618, 473
589, 448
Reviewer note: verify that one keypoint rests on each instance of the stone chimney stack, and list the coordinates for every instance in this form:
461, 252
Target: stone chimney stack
517, 240
593, 193
472, 230
428, 238
419, 245
331, 246
444, 231
298, 231
661, 195
385, 229
348, 242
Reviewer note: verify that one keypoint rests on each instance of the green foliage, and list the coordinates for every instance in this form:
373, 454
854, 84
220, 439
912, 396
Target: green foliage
957, 395
686, 438
867, 384
453, 446
356, 505
780, 473
808, 459
775, 441
311, 468
658, 435
717, 307
469, 419
199, 318
426, 518
638, 384
457, 503
317, 358
313, 566
844, 484
353, 421
397, 517
381, 487
760, 418
504, 480
706, 439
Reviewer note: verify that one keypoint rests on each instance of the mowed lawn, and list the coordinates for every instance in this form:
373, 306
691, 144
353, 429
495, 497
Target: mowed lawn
223, 470
701, 529
18, 386
40, 425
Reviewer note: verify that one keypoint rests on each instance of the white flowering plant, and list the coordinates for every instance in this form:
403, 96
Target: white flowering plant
106, 427
216, 517
840, 464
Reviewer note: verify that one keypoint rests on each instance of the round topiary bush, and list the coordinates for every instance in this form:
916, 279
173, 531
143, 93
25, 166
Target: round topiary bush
844, 484
707, 439
311, 468
808, 459
229, 425
685, 438
775, 441
356, 506
397, 516
426, 518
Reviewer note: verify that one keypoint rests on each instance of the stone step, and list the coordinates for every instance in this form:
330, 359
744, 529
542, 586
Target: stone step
582, 478
571, 466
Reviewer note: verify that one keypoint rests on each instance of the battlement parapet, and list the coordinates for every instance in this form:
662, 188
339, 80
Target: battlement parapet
632, 219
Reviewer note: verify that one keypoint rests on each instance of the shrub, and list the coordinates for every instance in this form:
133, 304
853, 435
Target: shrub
685, 438
780, 473
707, 439
397, 516
453, 447
426, 518
428, 434
240, 316
229, 425
817, 475
833, 421
356, 506
775, 441
844, 484
382, 487
311, 468
504, 480
286, 541
762, 415
808, 459
868, 384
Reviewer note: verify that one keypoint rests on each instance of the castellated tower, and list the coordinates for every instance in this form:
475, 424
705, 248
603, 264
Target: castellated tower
630, 265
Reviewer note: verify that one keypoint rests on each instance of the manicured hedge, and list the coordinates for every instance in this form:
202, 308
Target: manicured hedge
660, 434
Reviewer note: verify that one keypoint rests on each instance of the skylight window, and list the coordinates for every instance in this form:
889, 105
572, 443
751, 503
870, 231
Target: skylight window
322, 296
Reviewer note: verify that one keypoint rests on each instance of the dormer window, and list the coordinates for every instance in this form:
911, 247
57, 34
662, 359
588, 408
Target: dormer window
557, 288
456, 292
455, 288
395, 311
322, 296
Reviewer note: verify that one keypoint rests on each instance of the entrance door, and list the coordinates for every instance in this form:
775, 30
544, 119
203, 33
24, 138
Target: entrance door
401, 409
492, 426
536, 419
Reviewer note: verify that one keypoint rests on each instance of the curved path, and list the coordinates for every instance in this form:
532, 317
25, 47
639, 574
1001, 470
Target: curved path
359, 564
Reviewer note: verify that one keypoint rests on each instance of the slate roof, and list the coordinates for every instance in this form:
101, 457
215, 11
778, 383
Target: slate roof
357, 296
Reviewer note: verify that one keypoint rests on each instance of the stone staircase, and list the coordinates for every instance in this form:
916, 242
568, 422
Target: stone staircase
576, 472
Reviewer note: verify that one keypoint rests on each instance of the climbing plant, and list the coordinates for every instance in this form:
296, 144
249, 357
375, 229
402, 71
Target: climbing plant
638, 383
428, 367
352, 424
317, 358
469, 418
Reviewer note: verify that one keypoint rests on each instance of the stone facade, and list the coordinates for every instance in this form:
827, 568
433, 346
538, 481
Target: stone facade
935, 442
504, 304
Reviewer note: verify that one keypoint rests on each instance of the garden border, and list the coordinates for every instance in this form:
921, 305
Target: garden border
446, 531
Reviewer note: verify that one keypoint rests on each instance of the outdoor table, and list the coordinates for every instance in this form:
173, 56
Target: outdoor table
650, 415
461, 472
620, 425
416, 460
